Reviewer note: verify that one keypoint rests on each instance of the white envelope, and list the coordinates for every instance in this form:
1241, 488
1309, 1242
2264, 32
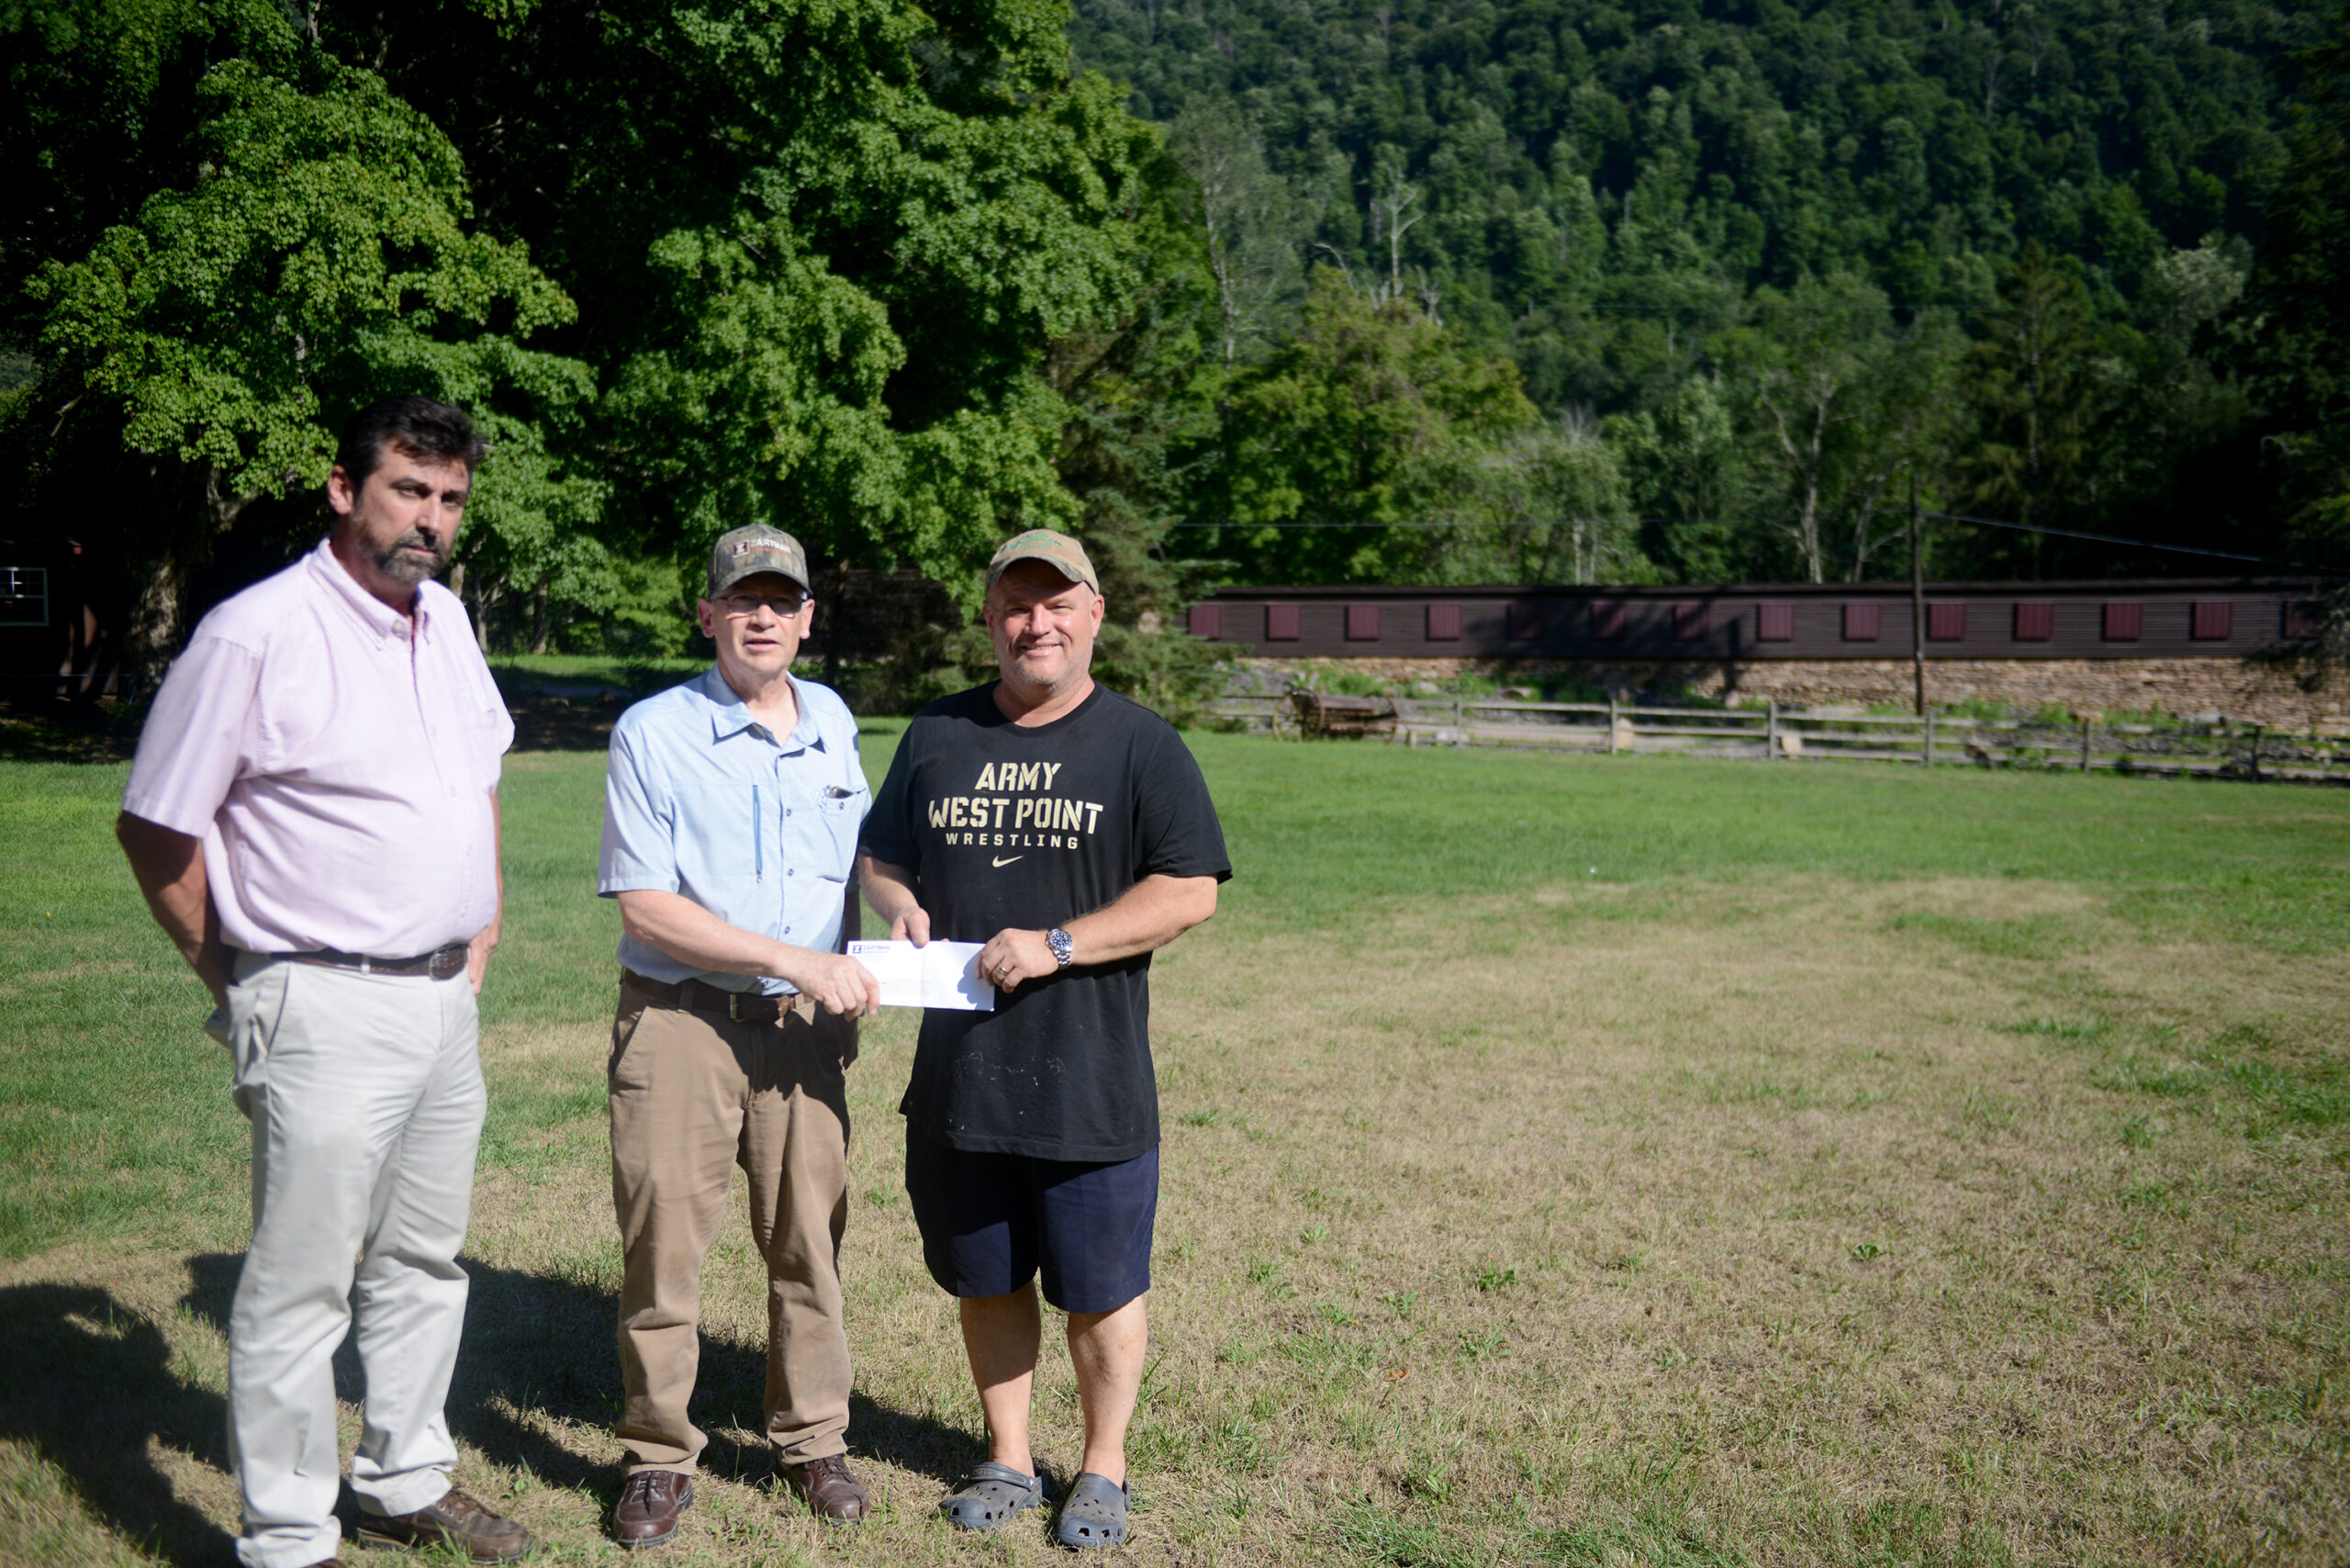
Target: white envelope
943, 974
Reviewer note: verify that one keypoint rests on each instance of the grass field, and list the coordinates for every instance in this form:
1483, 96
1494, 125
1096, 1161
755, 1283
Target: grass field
1568, 1160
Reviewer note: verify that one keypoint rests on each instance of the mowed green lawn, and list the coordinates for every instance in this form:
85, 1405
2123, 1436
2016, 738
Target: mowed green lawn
1569, 1159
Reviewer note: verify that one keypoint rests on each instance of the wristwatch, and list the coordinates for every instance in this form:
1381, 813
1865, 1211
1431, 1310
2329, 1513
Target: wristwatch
1064, 947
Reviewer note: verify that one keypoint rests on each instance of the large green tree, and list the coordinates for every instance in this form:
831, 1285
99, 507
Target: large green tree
2038, 371
1843, 401
307, 243
1548, 504
1335, 449
819, 248
1141, 393
697, 265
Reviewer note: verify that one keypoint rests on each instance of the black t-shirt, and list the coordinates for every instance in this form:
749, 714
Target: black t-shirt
1006, 827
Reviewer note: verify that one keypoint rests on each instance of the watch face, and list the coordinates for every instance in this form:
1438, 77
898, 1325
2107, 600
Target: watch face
1063, 946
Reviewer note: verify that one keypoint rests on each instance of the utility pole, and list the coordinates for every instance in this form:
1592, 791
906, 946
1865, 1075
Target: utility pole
1918, 593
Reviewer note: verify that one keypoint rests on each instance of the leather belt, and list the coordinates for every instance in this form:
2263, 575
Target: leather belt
441, 963
696, 996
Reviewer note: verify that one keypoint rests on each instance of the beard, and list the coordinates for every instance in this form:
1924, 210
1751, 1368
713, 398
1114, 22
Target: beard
396, 564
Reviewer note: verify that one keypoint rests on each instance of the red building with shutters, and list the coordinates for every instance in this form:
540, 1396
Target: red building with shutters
2182, 647
2216, 618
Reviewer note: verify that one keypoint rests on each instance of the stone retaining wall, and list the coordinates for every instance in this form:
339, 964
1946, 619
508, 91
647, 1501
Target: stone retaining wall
2182, 688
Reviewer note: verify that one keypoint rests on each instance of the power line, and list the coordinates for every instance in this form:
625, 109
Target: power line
1790, 305
2100, 538
1559, 522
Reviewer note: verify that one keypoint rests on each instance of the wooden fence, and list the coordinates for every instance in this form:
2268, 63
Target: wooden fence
1794, 735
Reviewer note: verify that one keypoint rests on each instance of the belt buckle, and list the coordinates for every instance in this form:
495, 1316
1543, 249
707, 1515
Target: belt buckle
734, 1006
448, 963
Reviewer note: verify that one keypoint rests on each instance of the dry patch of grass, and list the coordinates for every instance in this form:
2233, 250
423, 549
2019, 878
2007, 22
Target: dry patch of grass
1805, 1221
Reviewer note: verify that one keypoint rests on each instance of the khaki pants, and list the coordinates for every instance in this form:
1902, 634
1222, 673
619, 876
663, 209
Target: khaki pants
693, 1095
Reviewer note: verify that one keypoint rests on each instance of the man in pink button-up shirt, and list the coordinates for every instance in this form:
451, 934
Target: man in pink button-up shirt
313, 818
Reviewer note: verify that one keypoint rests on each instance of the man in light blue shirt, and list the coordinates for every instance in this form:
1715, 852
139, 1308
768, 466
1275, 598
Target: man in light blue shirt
730, 813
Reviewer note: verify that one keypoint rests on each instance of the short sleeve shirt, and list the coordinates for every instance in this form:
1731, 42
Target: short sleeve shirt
338, 759
702, 800
1003, 826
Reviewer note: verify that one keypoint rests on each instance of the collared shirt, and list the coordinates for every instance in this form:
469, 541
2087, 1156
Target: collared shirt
701, 799
338, 760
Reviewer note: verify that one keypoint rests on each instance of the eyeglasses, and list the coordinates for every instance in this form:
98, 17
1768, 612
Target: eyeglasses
743, 605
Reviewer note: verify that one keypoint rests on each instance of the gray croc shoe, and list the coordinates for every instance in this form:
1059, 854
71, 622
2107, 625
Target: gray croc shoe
989, 1495
1094, 1515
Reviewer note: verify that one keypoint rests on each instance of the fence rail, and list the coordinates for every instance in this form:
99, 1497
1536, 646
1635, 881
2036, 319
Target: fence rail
1794, 734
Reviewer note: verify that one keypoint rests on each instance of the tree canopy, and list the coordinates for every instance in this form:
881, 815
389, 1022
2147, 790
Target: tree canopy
1547, 289
695, 266
2011, 249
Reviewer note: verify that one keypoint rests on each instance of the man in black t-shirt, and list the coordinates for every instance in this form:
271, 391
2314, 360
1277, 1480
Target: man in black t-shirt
1069, 831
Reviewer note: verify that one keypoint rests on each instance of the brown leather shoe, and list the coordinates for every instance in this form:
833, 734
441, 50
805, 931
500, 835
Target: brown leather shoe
457, 1519
830, 1491
650, 1502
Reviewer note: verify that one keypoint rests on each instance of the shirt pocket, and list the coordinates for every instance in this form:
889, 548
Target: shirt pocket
488, 732
838, 818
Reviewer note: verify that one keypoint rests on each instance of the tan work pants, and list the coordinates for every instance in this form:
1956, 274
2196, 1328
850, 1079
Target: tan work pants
694, 1094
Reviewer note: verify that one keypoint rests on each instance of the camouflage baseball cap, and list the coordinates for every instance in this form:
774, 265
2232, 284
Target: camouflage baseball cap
1058, 550
746, 551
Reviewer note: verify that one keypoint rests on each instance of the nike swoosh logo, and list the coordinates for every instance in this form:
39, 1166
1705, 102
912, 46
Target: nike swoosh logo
1007, 860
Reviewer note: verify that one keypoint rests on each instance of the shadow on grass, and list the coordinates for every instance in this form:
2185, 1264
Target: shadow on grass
91, 1387
94, 1389
46, 737
577, 722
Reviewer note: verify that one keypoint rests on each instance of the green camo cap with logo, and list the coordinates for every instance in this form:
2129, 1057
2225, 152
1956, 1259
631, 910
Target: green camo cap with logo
1058, 550
746, 551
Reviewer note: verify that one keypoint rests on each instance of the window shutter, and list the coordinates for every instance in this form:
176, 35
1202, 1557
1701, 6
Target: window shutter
1444, 624
1524, 622
1362, 623
1607, 620
1775, 623
1280, 623
2035, 622
1207, 620
1946, 623
2215, 619
1861, 623
2124, 622
1690, 622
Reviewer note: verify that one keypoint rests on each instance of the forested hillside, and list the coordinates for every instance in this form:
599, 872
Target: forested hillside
1575, 154
1263, 290
1765, 261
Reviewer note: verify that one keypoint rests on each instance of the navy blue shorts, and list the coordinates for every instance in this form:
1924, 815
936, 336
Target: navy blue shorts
991, 1222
